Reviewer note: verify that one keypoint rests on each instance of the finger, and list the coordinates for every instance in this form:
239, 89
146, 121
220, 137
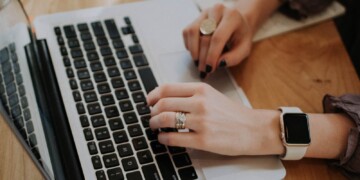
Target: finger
179, 139
185, 38
171, 90
168, 120
172, 104
193, 36
235, 55
204, 46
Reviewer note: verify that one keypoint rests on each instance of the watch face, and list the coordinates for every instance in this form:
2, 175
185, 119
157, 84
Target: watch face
296, 128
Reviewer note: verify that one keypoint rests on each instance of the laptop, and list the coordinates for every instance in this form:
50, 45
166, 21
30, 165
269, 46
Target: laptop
73, 88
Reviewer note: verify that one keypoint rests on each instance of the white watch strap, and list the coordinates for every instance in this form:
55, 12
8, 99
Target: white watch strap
292, 152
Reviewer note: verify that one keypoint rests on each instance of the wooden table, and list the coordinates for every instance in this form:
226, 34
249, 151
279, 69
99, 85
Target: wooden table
295, 69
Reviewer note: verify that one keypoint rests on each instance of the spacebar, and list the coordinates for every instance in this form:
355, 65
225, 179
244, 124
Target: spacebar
148, 79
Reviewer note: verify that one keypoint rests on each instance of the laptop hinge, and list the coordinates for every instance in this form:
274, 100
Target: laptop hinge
62, 149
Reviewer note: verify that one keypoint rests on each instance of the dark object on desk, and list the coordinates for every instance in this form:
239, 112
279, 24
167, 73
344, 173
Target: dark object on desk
300, 9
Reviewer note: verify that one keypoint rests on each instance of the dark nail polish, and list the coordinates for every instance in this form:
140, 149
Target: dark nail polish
196, 62
208, 68
203, 74
222, 63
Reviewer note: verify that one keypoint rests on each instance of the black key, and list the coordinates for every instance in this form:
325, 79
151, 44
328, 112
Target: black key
116, 124
166, 168
83, 74
143, 109
19, 122
139, 143
79, 63
14, 57
135, 38
129, 164
120, 137
21, 90
125, 150
140, 60
83, 27
73, 43
98, 29
107, 100
12, 47
92, 148
138, 97
125, 64
188, 173
57, 31
69, 72
60, 40
90, 96
102, 41
80, 108
134, 85
13, 100
103, 88
175, 150
2, 88
94, 108
106, 147
182, 160
19, 79
8, 77
121, 94
151, 135
105, 51
16, 111
100, 175
100, 77
134, 175
145, 157
96, 162
92, 56
6, 67
126, 106
148, 79
113, 72
157, 147
86, 85
84, 121
111, 111
76, 53
77, 96
88, 134
35, 151
109, 61
98, 121
130, 118
135, 130
86, 36
117, 82
115, 174
102, 133
118, 44
127, 20
150, 172
29, 127
127, 30
63, 51
135, 49
130, 74
69, 31
66, 61
145, 121
73, 84
89, 46
23, 133
96, 66
112, 29
16, 67
27, 114
121, 54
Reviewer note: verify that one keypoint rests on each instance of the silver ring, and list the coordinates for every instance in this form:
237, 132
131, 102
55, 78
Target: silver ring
180, 118
208, 26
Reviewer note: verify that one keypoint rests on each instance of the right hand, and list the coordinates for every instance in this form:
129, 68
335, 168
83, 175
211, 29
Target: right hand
233, 32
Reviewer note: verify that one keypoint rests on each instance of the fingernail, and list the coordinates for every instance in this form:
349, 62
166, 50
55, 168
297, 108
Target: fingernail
208, 68
203, 74
196, 62
222, 63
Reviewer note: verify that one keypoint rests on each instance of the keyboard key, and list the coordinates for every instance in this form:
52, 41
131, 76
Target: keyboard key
126, 106
182, 160
117, 82
102, 133
109, 61
121, 54
157, 147
121, 94
29, 127
106, 147
135, 49
92, 148
188, 173
112, 29
21, 90
69, 72
23, 134
60, 40
86, 85
76, 53
13, 100
115, 174
143, 109
83, 27
89, 46
69, 31
144, 157
135, 38
79, 63
135, 130
92, 56
138, 97
94, 108
148, 79
73, 84
98, 29
150, 172
80, 108
102, 41
113, 72
19, 122
130, 118
103, 88
140, 60
120, 137
88, 134
111, 111
84, 121
77, 96
66, 61
100, 77
57, 31
139, 143
83, 74
134, 85
129, 164
151, 135
86, 36
166, 168
105, 51
127, 30
175, 150
130, 74
96, 66
8, 77
100, 175
98, 121
73, 43
125, 150
125, 64
27, 114
19, 79
134, 175
32, 140
90, 96
116, 124
127, 20
145, 121
35, 151
107, 100
96, 162
118, 44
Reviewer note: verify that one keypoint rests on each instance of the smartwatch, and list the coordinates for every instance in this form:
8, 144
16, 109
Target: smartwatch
295, 133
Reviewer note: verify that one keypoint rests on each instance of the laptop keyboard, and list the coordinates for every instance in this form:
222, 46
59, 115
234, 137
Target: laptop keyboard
13, 96
109, 79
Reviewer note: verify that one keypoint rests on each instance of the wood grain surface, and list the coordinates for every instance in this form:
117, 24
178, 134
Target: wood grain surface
294, 69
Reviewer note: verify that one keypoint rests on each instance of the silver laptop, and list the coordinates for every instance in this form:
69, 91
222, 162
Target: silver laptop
74, 93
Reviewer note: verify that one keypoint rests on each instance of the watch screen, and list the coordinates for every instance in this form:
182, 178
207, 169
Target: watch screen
296, 128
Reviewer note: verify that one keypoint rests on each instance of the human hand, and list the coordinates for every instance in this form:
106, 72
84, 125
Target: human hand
216, 123
233, 32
